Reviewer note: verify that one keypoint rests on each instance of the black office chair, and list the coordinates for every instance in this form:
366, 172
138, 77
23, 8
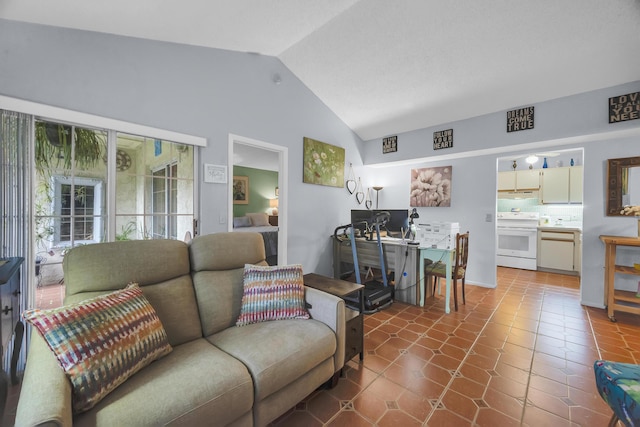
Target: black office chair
438, 269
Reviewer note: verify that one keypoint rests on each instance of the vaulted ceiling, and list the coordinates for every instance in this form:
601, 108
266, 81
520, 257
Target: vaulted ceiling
386, 67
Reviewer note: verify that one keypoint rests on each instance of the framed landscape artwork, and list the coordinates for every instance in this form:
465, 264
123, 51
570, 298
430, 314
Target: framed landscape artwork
323, 163
240, 190
431, 187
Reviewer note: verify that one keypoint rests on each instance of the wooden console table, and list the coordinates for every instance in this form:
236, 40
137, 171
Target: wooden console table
618, 300
10, 325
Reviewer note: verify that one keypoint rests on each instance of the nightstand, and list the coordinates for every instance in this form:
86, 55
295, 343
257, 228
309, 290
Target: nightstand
273, 220
353, 315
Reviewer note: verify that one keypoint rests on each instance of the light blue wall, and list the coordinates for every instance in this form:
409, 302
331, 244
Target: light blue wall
569, 123
211, 93
198, 91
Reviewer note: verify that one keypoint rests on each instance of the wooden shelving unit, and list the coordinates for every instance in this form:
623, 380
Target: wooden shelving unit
618, 300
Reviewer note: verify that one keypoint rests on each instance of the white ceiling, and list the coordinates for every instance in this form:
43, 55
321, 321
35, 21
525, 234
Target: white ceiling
386, 67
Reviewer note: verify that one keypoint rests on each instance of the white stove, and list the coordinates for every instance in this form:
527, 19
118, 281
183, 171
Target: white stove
517, 239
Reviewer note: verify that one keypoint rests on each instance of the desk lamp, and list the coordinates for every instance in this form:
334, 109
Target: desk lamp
412, 227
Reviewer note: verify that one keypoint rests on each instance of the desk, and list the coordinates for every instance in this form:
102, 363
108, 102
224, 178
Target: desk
406, 261
617, 299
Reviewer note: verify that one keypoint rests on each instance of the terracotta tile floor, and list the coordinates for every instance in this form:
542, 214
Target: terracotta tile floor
520, 354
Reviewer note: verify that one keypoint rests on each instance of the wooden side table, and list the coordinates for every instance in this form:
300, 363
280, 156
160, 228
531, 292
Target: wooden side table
618, 300
354, 316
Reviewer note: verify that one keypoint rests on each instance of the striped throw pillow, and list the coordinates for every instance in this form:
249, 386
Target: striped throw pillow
101, 342
272, 293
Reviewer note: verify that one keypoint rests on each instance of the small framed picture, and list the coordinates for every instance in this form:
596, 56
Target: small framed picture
240, 190
216, 174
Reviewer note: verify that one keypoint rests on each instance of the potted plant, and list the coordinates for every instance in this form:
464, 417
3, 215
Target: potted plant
53, 146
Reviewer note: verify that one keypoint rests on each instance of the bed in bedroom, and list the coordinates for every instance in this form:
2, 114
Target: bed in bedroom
259, 223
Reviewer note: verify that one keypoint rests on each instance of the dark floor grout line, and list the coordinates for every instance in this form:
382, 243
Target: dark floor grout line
533, 356
468, 352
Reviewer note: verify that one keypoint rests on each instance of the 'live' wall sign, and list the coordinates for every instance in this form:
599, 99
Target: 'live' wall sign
520, 119
624, 107
443, 139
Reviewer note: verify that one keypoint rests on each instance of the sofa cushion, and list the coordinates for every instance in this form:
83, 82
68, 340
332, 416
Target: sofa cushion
110, 266
196, 385
279, 352
226, 251
101, 342
160, 267
219, 297
272, 293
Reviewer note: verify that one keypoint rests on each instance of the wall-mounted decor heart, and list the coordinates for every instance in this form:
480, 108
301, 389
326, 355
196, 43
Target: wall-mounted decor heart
350, 183
359, 193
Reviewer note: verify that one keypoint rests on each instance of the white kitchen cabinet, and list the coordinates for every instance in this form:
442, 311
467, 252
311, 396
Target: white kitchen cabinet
555, 185
575, 184
519, 180
559, 250
506, 181
561, 185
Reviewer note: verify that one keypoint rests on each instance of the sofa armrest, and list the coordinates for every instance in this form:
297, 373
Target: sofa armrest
45, 395
329, 309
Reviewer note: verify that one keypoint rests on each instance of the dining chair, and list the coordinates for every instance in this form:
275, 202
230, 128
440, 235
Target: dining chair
438, 269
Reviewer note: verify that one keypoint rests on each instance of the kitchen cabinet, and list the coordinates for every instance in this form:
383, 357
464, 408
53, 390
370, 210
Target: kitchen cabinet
519, 180
559, 249
557, 187
575, 184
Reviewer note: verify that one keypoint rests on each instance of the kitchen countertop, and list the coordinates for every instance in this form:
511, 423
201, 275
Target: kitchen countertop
552, 227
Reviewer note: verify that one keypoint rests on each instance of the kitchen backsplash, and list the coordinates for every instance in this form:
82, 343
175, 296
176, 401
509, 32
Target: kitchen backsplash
567, 213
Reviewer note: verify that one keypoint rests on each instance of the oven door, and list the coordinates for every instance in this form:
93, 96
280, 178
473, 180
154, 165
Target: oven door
517, 242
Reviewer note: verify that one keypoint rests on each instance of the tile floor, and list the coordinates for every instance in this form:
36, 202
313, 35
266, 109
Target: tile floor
520, 354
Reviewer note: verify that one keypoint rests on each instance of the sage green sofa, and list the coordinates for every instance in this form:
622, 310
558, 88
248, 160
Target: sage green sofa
217, 374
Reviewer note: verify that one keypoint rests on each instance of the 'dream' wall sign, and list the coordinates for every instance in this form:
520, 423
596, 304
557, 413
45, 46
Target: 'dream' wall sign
520, 119
390, 144
443, 139
624, 107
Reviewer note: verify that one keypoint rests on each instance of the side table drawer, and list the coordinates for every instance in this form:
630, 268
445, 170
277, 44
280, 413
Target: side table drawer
354, 336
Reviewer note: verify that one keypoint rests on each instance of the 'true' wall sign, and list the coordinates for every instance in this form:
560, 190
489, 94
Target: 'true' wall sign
624, 107
520, 119
443, 139
390, 144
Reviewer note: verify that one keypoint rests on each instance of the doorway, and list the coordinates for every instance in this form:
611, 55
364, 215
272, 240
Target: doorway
255, 154
546, 188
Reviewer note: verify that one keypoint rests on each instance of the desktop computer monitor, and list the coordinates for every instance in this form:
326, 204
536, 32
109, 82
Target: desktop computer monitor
398, 220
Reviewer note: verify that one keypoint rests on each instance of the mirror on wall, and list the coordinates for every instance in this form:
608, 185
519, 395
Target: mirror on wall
623, 185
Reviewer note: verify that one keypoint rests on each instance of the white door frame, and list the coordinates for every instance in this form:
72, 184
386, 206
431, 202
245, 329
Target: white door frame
283, 156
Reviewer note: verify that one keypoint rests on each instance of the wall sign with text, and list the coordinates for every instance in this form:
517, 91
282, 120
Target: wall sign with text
390, 144
520, 119
443, 139
624, 107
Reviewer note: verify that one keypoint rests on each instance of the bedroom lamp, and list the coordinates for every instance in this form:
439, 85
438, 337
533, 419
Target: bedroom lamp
273, 204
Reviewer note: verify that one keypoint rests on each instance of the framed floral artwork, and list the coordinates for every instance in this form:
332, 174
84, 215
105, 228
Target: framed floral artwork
240, 190
323, 163
431, 187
